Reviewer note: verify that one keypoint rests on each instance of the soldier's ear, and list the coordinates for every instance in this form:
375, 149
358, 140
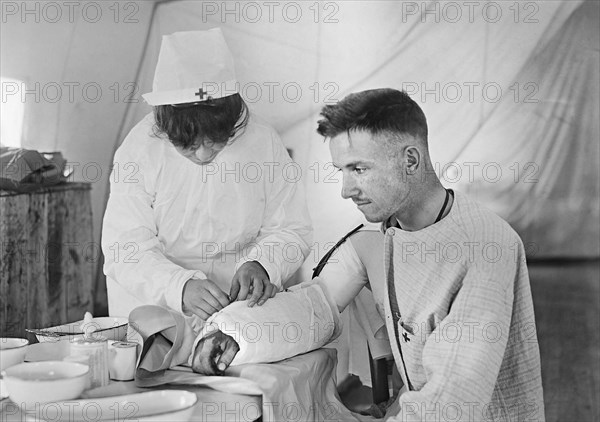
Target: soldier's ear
412, 159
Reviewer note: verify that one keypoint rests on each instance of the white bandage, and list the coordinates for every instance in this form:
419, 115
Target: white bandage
296, 321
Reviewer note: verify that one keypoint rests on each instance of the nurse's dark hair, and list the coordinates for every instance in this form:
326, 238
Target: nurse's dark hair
377, 111
217, 120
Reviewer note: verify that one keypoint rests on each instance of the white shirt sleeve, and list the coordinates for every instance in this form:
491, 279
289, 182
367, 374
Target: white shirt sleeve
344, 275
134, 257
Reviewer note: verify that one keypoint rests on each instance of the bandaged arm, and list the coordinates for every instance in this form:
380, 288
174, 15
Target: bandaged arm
299, 320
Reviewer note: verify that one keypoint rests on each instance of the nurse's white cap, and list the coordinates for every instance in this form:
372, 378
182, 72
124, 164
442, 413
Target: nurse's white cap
192, 66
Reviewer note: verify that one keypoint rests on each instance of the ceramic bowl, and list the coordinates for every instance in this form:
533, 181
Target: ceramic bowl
31, 383
12, 351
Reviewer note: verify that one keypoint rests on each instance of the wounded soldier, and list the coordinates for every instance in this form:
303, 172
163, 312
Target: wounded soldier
456, 296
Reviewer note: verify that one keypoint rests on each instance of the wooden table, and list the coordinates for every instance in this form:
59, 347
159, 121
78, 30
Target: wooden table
47, 257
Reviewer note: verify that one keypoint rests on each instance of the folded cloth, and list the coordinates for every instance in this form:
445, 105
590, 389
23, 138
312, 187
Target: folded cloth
25, 170
166, 341
302, 388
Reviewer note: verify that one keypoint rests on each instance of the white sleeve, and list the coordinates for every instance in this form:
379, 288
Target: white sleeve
301, 319
134, 257
283, 242
344, 275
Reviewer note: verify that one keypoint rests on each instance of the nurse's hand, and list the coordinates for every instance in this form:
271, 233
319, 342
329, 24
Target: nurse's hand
203, 298
214, 353
251, 276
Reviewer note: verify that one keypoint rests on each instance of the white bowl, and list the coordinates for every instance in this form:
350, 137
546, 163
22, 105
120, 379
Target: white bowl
43, 382
112, 328
12, 351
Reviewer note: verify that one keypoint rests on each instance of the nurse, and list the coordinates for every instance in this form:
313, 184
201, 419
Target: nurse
202, 211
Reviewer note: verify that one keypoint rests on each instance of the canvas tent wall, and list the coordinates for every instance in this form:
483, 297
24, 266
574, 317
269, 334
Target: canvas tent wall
510, 90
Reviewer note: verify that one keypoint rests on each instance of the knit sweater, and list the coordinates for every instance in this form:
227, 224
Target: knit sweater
467, 337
